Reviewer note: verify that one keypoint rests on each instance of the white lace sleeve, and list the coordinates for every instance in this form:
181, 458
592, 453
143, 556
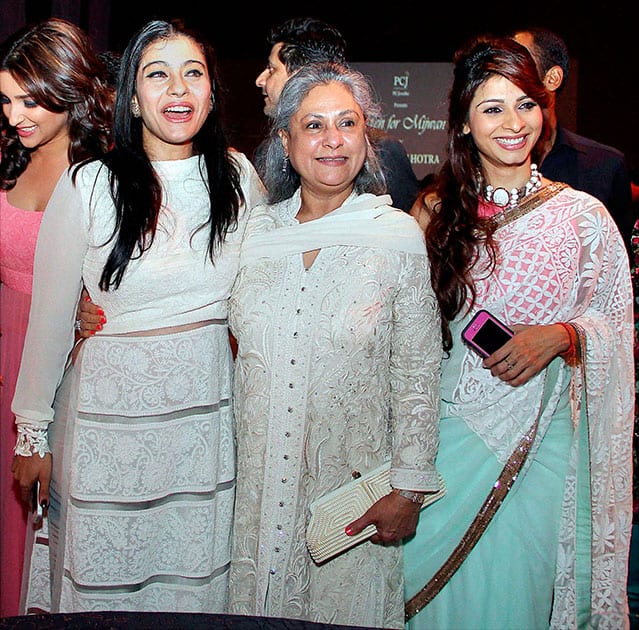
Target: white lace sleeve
57, 282
415, 378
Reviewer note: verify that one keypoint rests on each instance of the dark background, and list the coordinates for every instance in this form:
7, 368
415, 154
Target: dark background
603, 40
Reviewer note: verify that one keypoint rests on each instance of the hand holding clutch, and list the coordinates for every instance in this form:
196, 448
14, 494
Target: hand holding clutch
325, 535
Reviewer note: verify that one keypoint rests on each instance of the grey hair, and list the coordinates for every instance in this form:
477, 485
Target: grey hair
280, 178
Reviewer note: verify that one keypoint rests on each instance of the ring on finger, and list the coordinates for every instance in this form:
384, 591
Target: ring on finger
78, 325
509, 365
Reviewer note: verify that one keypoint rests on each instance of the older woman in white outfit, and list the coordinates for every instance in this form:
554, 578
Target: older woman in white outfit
337, 371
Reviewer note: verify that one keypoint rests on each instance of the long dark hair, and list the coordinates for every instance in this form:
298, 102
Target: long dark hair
455, 231
136, 190
55, 64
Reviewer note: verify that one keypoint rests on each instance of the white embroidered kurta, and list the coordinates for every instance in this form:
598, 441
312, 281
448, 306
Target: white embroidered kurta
337, 371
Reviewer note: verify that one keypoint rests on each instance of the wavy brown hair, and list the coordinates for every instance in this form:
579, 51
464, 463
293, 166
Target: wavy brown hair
455, 232
56, 65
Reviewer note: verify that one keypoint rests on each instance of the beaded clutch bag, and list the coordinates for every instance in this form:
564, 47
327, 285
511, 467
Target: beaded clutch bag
325, 535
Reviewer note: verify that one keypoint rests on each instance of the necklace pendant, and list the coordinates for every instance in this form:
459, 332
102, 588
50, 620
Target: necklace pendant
503, 198
500, 197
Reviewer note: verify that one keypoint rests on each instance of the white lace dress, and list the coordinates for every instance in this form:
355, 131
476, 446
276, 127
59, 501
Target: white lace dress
142, 437
337, 371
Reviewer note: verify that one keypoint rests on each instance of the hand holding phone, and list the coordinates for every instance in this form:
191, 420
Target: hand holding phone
485, 333
36, 506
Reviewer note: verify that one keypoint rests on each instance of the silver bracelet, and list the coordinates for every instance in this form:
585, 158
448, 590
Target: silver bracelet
411, 495
31, 440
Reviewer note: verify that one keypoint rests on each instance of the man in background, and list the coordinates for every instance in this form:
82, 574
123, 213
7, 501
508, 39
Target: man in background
584, 164
300, 41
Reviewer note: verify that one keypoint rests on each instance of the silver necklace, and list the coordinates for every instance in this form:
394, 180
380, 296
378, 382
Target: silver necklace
504, 198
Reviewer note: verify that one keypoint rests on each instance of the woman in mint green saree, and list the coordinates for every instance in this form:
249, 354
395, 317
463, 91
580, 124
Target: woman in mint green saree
542, 428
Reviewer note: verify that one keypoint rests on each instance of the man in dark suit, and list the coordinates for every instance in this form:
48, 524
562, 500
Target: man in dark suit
584, 164
300, 41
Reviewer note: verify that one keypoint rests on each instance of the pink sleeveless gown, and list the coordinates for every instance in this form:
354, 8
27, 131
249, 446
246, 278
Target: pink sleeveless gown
18, 234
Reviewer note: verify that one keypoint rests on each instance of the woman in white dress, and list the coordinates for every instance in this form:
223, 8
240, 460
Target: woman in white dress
337, 371
136, 437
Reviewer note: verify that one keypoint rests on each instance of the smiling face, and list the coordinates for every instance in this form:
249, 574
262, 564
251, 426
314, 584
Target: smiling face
34, 125
173, 92
326, 141
272, 79
505, 124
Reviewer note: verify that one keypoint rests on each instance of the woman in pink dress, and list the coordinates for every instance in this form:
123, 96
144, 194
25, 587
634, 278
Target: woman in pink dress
56, 110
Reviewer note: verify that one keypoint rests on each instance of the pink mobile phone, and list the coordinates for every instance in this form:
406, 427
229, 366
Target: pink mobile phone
485, 333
